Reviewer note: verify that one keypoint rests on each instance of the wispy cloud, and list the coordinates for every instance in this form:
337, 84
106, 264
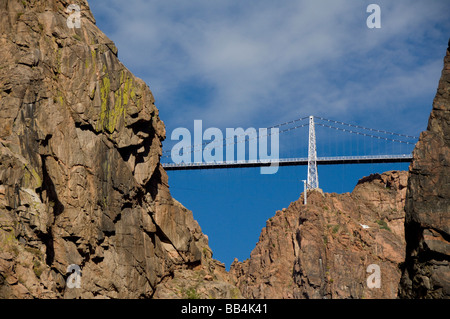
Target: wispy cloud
255, 63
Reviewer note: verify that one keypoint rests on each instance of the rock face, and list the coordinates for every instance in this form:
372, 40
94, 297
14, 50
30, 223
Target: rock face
324, 249
80, 178
426, 272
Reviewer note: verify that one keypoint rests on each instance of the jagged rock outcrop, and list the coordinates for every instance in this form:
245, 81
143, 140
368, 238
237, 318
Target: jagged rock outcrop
80, 177
426, 272
323, 249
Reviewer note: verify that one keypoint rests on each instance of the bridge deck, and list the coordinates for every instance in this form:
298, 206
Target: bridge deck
401, 158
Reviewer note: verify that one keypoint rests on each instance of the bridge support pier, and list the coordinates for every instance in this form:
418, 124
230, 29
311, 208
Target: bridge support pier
313, 177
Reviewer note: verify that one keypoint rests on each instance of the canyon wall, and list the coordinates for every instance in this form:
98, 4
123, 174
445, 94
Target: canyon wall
426, 271
322, 250
80, 179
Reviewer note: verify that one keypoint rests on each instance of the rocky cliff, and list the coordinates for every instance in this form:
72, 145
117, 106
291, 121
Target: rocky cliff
426, 272
323, 249
80, 178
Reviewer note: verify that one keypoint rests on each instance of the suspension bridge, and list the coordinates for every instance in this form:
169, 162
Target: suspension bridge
312, 160
326, 160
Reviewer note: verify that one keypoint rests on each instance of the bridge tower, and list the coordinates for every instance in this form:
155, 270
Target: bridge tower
313, 177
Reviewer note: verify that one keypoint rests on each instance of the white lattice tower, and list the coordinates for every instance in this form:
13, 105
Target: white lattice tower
313, 177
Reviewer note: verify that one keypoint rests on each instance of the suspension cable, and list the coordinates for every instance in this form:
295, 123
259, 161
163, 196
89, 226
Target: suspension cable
366, 128
365, 134
232, 137
194, 148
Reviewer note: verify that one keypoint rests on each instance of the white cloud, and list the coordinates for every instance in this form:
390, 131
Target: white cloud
264, 61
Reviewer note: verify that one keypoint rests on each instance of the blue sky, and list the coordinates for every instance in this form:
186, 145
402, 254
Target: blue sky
234, 63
